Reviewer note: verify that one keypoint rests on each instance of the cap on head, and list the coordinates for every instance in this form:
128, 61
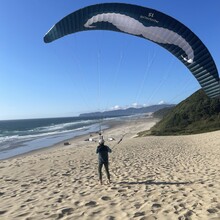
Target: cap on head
101, 141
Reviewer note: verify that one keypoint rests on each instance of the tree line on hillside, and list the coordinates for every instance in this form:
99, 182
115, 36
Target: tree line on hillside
196, 114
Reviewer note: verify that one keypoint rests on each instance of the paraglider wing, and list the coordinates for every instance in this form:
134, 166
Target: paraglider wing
148, 24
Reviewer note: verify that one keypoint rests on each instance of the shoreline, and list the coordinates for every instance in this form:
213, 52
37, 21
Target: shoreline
112, 125
153, 177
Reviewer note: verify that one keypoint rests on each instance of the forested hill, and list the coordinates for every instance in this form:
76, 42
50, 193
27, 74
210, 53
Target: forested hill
196, 114
127, 112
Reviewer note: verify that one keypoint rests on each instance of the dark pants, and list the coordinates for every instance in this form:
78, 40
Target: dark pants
106, 169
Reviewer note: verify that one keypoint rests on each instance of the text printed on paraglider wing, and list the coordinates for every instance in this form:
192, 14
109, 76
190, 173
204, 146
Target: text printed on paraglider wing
149, 18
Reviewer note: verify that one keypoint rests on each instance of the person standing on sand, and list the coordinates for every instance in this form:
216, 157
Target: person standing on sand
103, 151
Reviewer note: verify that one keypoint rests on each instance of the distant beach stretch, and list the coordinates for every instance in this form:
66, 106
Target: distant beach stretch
165, 177
23, 136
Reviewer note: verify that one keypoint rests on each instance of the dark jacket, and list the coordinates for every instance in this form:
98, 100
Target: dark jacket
103, 151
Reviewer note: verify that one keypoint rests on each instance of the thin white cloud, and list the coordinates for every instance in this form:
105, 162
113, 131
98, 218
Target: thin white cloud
161, 102
116, 107
135, 105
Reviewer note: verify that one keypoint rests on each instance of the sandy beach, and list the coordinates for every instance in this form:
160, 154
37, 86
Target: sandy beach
171, 177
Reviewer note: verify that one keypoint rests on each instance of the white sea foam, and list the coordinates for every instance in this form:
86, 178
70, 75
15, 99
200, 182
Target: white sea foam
28, 138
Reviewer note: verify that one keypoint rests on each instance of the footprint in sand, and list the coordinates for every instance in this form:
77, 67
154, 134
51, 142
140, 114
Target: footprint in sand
90, 203
76, 203
137, 205
187, 215
212, 210
110, 218
121, 190
59, 200
2, 212
105, 198
66, 174
25, 185
155, 207
22, 215
67, 211
56, 192
29, 200
138, 214
114, 188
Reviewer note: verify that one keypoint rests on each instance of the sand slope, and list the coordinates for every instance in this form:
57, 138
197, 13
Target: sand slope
152, 178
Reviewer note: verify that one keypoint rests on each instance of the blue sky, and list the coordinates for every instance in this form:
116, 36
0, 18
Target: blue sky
95, 70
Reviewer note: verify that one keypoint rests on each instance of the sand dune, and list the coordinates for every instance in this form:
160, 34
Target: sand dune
175, 177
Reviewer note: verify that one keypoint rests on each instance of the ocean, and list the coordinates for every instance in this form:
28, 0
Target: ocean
22, 136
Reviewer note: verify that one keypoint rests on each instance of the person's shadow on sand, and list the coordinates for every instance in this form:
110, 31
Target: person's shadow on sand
152, 182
